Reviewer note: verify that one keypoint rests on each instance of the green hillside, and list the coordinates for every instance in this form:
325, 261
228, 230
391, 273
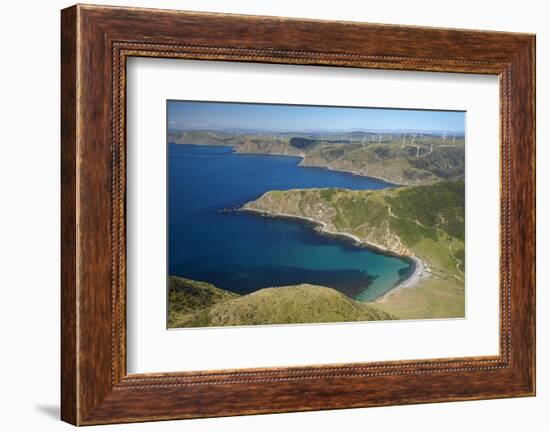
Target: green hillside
424, 221
392, 161
397, 158
198, 304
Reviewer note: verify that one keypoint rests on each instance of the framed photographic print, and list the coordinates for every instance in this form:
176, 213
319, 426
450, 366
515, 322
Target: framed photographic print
308, 220
259, 217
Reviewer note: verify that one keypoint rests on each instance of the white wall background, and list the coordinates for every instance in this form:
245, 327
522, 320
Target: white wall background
29, 215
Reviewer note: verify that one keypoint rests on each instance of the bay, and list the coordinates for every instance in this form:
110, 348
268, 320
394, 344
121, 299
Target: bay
243, 252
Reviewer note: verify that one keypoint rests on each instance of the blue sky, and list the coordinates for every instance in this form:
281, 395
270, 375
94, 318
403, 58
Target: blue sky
216, 115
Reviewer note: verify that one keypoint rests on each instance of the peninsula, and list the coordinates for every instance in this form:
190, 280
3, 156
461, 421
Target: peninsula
423, 222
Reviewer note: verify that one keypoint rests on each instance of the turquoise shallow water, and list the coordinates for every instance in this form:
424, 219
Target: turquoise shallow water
244, 252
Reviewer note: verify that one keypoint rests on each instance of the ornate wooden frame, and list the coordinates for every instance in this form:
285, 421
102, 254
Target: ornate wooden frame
95, 42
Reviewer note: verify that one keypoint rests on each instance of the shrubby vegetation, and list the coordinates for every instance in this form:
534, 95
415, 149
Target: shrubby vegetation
439, 206
186, 297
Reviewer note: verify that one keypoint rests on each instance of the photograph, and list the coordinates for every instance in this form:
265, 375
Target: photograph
299, 214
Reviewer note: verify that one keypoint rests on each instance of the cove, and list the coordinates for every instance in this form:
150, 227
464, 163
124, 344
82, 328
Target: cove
243, 252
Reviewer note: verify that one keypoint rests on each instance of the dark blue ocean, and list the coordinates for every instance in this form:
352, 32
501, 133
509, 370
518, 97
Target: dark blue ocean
244, 252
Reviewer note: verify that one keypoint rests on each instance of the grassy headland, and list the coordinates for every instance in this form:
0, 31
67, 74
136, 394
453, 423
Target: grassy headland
197, 304
422, 221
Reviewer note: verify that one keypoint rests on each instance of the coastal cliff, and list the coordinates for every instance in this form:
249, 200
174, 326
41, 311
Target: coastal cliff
361, 215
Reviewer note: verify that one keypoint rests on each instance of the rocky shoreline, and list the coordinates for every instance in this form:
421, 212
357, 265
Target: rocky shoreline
304, 164
349, 171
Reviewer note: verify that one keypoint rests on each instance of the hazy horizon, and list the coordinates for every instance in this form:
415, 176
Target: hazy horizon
197, 115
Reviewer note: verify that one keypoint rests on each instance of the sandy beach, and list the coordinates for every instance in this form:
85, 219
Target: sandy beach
418, 274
